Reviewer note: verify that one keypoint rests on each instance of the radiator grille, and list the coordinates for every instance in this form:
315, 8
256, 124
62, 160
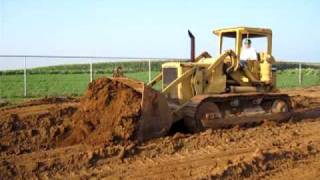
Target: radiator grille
169, 75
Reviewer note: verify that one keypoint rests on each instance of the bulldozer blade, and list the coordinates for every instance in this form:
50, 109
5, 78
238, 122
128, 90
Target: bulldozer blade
155, 120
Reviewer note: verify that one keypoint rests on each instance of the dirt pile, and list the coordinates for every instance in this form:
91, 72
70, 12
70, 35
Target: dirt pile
33, 127
260, 163
301, 102
304, 98
108, 113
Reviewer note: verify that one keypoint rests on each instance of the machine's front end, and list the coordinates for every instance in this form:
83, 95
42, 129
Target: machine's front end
172, 71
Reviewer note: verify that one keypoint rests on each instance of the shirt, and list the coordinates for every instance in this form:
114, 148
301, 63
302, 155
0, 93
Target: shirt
248, 54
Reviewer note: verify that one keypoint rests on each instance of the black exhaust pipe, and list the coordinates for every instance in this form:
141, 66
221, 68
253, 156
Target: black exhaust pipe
193, 46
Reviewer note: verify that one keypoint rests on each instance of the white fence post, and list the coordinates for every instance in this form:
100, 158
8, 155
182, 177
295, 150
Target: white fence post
300, 74
149, 70
91, 71
25, 76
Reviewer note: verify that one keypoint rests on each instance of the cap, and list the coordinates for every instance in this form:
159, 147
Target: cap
247, 41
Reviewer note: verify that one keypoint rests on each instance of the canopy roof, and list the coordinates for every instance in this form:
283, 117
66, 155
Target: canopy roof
246, 31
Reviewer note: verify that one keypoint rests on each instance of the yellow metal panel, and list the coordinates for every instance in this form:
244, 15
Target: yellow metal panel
197, 82
269, 45
220, 44
184, 88
262, 31
238, 43
265, 68
240, 78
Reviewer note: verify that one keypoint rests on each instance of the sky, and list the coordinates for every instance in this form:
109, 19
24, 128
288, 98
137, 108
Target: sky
149, 28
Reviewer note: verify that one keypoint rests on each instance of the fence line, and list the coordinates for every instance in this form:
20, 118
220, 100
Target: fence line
28, 85
90, 62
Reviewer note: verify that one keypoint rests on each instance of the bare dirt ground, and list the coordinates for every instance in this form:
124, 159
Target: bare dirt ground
48, 139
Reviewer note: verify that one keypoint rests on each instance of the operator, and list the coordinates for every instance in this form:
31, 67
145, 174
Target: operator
247, 53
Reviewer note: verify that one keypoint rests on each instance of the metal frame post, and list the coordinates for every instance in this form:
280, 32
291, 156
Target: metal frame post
91, 71
25, 76
300, 74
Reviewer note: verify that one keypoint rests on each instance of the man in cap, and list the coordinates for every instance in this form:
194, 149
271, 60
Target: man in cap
247, 52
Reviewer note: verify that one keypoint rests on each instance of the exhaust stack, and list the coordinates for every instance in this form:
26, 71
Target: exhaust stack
192, 50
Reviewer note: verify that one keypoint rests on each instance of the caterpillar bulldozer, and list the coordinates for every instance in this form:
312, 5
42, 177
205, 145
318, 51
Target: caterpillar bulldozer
207, 92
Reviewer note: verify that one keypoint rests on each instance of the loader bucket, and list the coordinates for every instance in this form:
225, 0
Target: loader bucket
155, 118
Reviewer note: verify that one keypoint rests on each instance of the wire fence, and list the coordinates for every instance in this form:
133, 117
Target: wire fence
39, 76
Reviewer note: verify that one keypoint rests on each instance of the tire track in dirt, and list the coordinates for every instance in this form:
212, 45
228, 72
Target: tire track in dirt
183, 167
207, 161
298, 170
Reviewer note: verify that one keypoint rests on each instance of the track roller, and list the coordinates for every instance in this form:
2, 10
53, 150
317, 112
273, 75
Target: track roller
198, 115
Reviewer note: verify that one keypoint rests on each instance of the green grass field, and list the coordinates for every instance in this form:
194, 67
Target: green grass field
290, 78
40, 85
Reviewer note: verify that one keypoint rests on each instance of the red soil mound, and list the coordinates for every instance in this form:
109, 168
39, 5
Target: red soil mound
108, 113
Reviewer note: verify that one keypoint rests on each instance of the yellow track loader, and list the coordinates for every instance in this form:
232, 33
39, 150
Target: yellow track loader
208, 92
